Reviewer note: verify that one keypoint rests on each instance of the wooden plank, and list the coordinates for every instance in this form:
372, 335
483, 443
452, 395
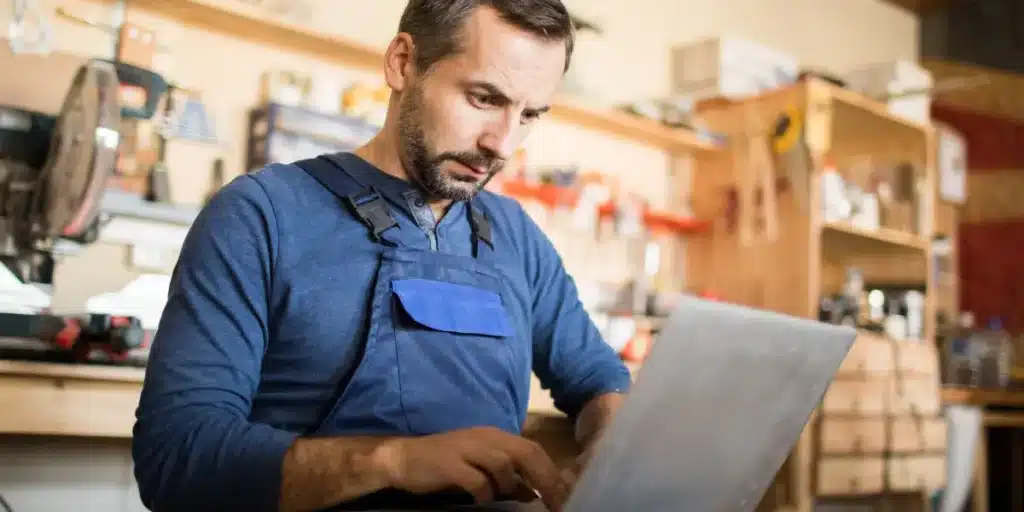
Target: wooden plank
60, 406
1002, 95
100, 401
873, 240
994, 196
72, 371
985, 397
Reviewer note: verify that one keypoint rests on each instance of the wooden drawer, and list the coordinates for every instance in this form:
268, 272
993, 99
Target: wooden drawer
870, 356
850, 476
915, 396
857, 397
912, 435
924, 472
917, 359
46, 405
852, 436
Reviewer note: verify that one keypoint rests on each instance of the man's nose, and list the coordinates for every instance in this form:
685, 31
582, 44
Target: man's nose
500, 138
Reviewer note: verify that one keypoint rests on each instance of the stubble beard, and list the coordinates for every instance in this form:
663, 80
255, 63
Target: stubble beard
423, 168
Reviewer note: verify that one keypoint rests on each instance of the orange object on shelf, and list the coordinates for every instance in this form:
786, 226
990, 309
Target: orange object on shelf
636, 350
550, 195
554, 195
667, 221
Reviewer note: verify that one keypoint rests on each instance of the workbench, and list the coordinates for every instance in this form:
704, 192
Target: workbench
1000, 409
92, 401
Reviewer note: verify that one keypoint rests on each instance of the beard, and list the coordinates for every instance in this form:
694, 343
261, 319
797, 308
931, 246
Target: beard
423, 165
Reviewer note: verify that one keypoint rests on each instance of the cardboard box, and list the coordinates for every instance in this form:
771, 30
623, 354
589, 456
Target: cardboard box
730, 66
904, 86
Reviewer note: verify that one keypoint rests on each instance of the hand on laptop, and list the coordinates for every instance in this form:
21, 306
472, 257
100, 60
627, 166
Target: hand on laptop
485, 462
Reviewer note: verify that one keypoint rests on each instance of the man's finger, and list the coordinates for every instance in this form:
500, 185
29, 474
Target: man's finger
499, 467
524, 493
472, 481
540, 473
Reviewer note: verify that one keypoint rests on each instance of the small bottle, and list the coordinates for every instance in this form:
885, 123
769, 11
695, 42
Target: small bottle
961, 366
1001, 346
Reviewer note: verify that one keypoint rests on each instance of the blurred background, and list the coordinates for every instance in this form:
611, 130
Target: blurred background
858, 162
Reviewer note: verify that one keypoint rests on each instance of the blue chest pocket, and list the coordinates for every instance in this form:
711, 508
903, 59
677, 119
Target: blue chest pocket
453, 308
455, 355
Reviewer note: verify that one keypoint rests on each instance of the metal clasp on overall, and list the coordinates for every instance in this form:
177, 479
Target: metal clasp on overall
371, 208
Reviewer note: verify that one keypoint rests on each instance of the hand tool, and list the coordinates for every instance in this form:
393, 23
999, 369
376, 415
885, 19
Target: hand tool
756, 170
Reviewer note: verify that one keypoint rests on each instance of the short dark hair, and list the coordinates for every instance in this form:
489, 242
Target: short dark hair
436, 25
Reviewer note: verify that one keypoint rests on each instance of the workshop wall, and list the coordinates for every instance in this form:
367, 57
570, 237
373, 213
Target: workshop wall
636, 44
630, 62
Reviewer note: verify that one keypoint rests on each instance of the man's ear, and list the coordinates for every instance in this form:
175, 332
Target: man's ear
399, 64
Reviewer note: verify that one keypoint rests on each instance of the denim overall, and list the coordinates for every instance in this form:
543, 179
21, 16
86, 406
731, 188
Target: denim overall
442, 352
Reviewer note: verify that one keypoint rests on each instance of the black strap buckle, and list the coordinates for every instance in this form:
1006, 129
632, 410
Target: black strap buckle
373, 210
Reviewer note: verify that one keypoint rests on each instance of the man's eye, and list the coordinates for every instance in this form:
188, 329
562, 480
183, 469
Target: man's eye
484, 99
529, 117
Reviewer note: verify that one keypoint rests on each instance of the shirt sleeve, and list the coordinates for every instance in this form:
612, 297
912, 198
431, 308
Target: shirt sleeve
570, 357
193, 445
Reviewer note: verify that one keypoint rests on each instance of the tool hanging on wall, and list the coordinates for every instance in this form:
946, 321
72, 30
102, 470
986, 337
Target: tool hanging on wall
146, 95
190, 121
792, 156
26, 14
753, 160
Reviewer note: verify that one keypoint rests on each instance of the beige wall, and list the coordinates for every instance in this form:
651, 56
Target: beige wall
630, 62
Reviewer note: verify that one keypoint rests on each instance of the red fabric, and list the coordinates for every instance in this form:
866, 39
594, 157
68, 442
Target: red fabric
992, 271
992, 143
991, 252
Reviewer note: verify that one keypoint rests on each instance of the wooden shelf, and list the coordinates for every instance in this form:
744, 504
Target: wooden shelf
873, 240
81, 400
854, 125
857, 115
631, 127
72, 371
254, 24
985, 397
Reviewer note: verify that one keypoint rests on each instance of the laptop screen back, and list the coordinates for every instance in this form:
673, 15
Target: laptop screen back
718, 405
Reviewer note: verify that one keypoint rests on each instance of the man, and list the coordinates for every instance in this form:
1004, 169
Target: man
357, 331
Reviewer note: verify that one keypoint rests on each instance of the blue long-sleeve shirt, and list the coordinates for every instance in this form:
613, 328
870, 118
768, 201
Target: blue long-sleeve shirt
266, 314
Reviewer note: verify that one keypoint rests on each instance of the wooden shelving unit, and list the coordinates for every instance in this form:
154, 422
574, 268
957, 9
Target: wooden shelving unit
254, 24
881, 239
808, 257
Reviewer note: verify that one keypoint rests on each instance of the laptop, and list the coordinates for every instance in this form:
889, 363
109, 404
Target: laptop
718, 405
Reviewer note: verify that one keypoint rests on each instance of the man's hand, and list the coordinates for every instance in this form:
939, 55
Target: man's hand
591, 423
485, 462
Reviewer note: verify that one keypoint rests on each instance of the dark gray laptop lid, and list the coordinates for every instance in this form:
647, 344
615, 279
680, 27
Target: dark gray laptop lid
718, 405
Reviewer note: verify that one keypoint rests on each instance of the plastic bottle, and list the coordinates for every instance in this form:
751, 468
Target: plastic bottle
962, 363
1001, 352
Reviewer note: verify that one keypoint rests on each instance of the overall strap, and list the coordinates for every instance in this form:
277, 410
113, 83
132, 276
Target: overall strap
480, 227
367, 204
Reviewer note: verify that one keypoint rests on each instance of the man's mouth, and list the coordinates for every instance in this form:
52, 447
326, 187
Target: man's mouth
479, 171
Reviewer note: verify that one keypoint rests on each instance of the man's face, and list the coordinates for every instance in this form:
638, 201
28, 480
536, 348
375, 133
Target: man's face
464, 119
